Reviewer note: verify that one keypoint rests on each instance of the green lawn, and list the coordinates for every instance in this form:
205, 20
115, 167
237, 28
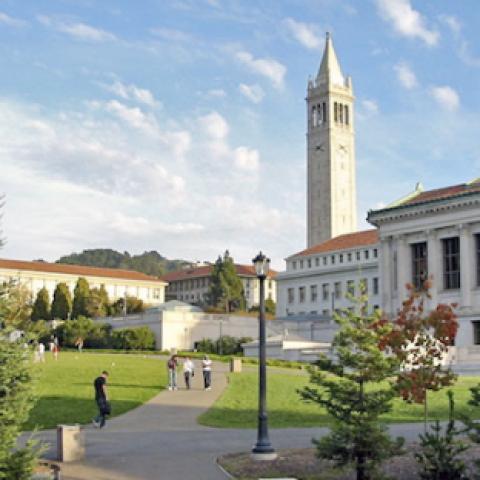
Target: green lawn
65, 387
237, 407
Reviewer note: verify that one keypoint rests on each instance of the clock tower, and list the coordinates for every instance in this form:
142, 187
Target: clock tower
331, 191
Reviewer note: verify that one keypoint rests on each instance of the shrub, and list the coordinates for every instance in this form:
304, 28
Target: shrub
137, 338
224, 345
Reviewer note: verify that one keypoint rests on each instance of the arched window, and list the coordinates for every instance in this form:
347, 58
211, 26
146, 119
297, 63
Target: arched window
324, 112
347, 120
340, 111
335, 111
319, 114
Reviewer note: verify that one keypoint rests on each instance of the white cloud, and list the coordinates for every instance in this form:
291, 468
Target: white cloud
304, 33
78, 30
10, 21
406, 20
254, 93
132, 92
446, 97
267, 67
405, 75
133, 117
215, 126
247, 159
370, 106
452, 23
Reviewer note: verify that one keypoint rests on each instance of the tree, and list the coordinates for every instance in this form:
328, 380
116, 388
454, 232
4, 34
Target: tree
226, 288
98, 303
15, 306
134, 305
62, 302
41, 306
270, 306
80, 298
420, 340
346, 392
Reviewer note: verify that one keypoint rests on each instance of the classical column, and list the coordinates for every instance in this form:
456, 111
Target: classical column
433, 266
467, 265
385, 277
403, 267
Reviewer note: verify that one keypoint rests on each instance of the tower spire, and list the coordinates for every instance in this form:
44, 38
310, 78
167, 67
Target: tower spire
330, 71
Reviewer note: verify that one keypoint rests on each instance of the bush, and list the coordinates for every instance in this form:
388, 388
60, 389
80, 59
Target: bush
138, 338
224, 345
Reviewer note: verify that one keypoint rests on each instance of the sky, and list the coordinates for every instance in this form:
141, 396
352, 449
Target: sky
179, 125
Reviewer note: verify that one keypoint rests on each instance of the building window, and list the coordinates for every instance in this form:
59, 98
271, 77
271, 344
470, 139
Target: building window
324, 112
477, 244
351, 287
294, 265
358, 255
324, 260
451, 263
375, 253
301, 294
347, 120
375, 285
419, 264
325, 312
332, 258
340, 258
301, 263
317, 261
476, 332
338, 289
335, 111
364, 285
313, 293
309, 261
349, 257
367, 254
291, 295
325, 291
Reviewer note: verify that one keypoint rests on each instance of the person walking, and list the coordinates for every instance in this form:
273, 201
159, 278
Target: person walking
172, 372
101, 397
41, 352
79, 344
207, 372
188, 371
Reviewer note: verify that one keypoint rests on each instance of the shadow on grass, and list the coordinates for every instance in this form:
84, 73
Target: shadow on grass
51, 411
122, 385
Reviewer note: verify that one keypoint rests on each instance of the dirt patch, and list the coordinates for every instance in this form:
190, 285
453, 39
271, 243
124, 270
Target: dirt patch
303, 464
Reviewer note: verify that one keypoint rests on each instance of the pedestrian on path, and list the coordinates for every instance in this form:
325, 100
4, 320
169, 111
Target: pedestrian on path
101, 397
41, 352
172, 372
207, 372
188, 371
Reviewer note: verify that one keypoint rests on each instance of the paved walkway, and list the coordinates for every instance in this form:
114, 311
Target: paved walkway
161, 439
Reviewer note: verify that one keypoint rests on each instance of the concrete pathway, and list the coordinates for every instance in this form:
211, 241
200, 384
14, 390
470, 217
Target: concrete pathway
162, 440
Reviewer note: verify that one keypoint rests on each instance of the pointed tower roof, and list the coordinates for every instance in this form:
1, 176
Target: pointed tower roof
330, 70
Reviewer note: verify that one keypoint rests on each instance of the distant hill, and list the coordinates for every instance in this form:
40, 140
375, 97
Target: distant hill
151, 263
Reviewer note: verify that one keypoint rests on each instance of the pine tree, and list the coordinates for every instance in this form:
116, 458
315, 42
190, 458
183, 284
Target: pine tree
226, 288
346, 392
62, 302
41, 306
80, 298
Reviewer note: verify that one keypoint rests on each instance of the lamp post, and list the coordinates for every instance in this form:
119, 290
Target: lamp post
263, 449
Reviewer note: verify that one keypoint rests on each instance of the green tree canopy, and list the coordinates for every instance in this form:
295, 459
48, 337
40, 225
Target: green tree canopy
226, 288
98, 303
15, 306
41, 306
62, 302
80, 298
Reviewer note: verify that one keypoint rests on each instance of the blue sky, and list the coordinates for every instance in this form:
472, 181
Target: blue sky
180, 125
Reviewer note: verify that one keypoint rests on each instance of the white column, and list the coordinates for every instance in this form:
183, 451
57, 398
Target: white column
385, 277
403, 266
434, 262
466, 266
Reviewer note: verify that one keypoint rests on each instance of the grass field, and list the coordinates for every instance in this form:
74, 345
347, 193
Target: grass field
65, 387
237, 407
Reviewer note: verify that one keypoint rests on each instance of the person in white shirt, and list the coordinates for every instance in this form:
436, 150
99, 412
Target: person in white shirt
188, 371
207, 372
41, 352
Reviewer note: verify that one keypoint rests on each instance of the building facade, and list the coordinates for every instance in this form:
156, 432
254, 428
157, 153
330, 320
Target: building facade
118, 283
331, 189
192, 284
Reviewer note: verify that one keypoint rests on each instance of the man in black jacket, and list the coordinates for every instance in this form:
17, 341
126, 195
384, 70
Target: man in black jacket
101, 398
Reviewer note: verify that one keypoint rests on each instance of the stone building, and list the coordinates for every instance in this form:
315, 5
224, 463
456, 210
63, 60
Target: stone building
192, 284
118, 283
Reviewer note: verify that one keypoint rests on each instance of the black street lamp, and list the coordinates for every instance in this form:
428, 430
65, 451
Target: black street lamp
263, 449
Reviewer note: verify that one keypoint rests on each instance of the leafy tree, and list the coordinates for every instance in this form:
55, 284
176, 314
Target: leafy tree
41, 306
226, 288
62, 302
420, 340
438, 454
80, 298
15, 306
98, 303
134, 305
270, 306
354, 392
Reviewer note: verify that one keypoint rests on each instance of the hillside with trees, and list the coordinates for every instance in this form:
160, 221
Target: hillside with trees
150, 263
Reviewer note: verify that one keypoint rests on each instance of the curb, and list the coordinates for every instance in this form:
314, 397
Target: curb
228, 475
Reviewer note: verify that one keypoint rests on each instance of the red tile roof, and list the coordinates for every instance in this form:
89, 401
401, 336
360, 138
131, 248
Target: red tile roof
443, 193
198, 272
343, 242
77, 270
